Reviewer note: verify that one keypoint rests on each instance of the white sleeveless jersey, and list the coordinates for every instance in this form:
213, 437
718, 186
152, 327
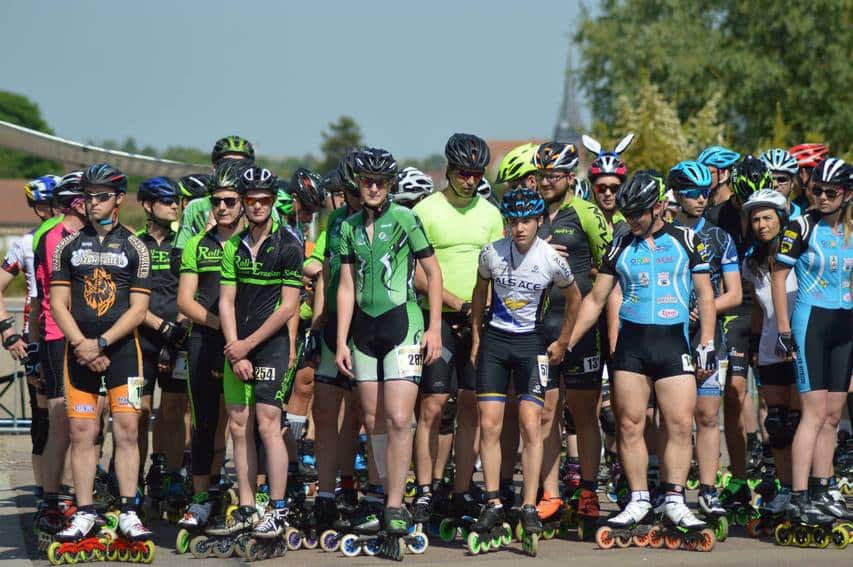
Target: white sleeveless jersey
520, 282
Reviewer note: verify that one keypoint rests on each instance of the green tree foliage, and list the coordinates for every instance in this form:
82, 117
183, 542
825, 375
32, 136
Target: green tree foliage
19, 110
757, 56
341, 135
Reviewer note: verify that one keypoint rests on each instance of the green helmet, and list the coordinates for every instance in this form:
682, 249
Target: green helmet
283, 200
232, 145
227, 174
517, 163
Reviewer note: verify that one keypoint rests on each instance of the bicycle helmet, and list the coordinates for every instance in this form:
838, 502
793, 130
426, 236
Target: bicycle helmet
305, 185
283, 200
522, 203
766, 198
750, 175
227, 174
688, 175
257, 178
40, 189
68, 189
607, 163
412, 186
718, 156
780, 160
830, 171
556, 156
104, 175
232, 145
374, 162
467, 152
809, 155
157, 188
517, 163
847, 177
582, 188
640, 193
484, 189
332, 182
195, 185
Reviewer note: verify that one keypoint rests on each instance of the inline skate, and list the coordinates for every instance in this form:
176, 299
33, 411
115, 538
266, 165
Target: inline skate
712, 511
679, 528
385, 539
490, 531
463, 512
266, 541
771, 514
194, 520
227, 535
737, 501
632, 526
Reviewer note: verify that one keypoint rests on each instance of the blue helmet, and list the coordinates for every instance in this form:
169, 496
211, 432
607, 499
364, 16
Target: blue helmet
157, 188
718, 156
688, 175
40, 189
522, 203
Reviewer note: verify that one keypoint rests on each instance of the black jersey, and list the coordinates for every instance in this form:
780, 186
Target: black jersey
203, 256
165, 266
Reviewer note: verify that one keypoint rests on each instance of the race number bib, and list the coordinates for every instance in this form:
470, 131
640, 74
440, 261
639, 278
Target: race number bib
410, 360
687, 363
180, 371
264, 373
542, 365
134, 391
591, 364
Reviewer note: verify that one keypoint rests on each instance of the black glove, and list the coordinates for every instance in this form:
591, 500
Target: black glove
32, 365
11, 340
706, 357
173, 334
785, 345
311, 346
167, 357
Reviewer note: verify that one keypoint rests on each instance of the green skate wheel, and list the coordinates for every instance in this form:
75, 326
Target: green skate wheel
531, 544
53, 554
182, 542
473, 543
840, 537
692, 484
820, 537
506, 536
726, 479
112, 520
485, 544
519, 531
721, 528
447, 530
782, 534
549, 533
753, 482
496, 541
801, 536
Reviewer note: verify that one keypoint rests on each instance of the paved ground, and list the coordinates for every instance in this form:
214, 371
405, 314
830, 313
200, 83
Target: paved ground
16, 509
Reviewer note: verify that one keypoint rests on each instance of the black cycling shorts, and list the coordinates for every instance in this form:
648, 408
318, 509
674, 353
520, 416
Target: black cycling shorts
825, 345
327, 371
151, 373
582, 368
521, 355
736, 331
388, 347
52, 357
438, 377
778, 374
656, 351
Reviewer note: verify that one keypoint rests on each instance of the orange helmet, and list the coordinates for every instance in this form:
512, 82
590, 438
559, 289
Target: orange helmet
809, 155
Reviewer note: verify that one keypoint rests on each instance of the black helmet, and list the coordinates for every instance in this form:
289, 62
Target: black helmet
345, 170
640, 193
332, 182
831, 171
195, 185
104, 175
467, 152
68, 189
157, 188
847, 177
750, 175
374, 162
232, 145
305, 186
257, 178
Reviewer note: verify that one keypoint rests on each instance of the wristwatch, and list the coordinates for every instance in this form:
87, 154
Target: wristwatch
102, 344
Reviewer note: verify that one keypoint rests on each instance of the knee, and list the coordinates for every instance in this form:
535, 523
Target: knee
269, 427
398, 420
490, 426
632, 425
81, 431
369, 422
126, 433
237, 427
706, 420
531, 430
430, 413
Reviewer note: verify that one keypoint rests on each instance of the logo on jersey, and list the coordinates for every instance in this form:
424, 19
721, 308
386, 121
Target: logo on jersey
515, 304
667, 313
208, 253
644, 279
83, 257
833, 263
665, 259
99, 291
788, 238
667, 300
641, 261
663, 279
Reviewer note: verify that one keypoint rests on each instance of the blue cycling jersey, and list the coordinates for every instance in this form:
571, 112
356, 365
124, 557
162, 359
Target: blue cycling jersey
720, 251
656, 279
822, 261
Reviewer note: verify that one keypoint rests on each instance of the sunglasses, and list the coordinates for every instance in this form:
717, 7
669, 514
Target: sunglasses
633, 215
604, 188
99, 197
695, 193
167, 201
465, 174
551, 177
367, 182
830, 193
229, 201
262, 201
782, 179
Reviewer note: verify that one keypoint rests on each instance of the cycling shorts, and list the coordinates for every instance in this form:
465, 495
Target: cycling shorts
439, 376
779, 374
270, 361
174, 382
713, 385
327, 371
582, 367
736, 331
122, 380
388, 347
521, 355
52, 358
656, 351
825, 344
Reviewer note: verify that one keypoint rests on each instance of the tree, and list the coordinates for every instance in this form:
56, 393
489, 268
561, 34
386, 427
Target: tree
756, 56
19, 110
342, 135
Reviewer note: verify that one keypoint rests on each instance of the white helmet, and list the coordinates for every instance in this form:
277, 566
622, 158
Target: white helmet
484, 190
766, 198
412, 186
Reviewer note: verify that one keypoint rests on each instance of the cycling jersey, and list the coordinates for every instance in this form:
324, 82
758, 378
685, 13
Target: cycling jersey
656, 281
620, 225
101, 274
203, 257
332, 253
386, 266
193, 220
719, 251
822, 260
458, 234
43, 258
44, 227
769, 331
259, 279
165, 265
521, 282
20, 257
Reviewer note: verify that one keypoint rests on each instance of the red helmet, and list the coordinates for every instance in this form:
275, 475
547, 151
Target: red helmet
809, 155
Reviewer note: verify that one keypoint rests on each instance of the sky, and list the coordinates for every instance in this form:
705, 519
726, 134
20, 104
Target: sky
184, 73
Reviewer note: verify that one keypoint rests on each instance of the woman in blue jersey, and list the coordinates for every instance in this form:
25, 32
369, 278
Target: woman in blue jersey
818, 246
657, 266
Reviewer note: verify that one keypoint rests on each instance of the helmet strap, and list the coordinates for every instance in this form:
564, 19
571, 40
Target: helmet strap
456, 192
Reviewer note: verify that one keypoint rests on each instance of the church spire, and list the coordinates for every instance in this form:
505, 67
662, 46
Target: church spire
568, 121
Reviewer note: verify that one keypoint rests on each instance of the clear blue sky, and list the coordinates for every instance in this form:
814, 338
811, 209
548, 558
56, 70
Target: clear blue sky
187, 72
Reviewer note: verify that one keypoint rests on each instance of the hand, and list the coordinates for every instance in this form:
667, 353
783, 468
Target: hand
211, 221
558, 248
238, 350
311, 348
431, 343
465, 308
99, 364
344, 361
86, 351
786, 346
557, 352
694, 315
292, 357
18, 349
31, 361
243, 369
166, 361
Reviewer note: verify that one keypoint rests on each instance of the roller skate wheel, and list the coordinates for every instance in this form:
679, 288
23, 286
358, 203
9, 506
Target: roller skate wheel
497, 540
372, 547
549, 533
293, 537
726, 479
656, 538
623, 541
182, 542
485, 544
350, 546
310, 541
229, 511
692, 484
519, 532
604, 537
418, 544
672, 541
222, 548
721, 528
641, 540
783, 534
840, 537
447, 530
801, 536
330, 541
846, 488
53, 554
753, 528
148, 550
239, 546
707, 540
111, 519
411, 488
252, 550
820, 537
473, 543
200, 547
531, 544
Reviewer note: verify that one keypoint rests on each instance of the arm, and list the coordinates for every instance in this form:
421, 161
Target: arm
189, 307
432, 337
282, 315
557, 349
779, 292
18, 350
733, 294
319, 297
227, 315
128, 321
705, 303
614, 304
346, 304
478, 313
312, 268
591, 307
60, 309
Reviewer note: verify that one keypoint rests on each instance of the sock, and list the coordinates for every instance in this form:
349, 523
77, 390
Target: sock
707, 489
639, 495
278, 504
